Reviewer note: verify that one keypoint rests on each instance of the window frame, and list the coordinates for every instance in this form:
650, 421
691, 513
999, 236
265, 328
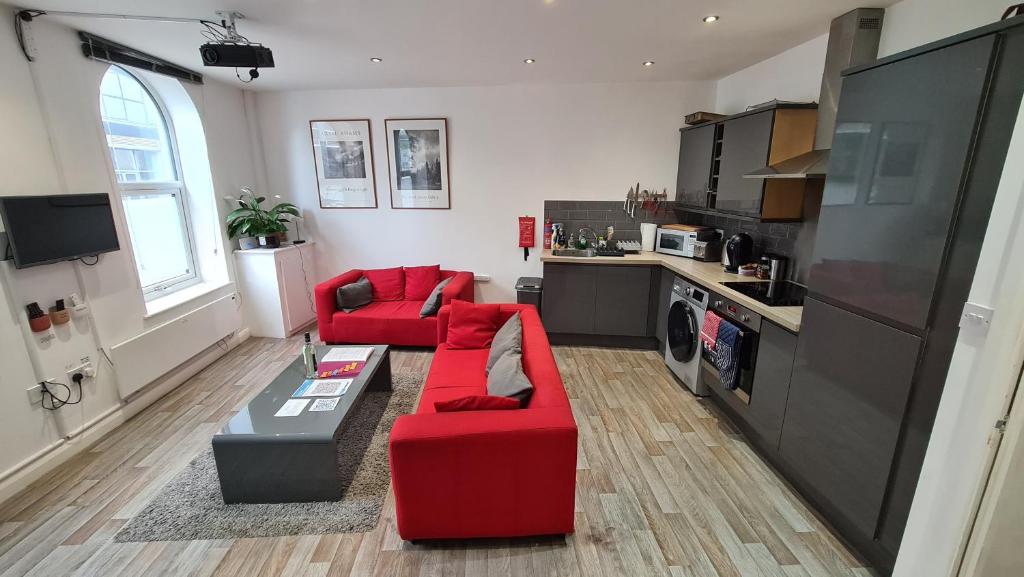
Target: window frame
175, 188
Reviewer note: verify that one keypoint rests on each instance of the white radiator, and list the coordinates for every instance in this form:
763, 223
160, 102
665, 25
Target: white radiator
147, 357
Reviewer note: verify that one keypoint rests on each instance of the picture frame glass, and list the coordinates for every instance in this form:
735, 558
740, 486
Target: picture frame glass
418, 162
343, 155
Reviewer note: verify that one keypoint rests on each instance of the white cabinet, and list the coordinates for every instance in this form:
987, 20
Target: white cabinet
277, 288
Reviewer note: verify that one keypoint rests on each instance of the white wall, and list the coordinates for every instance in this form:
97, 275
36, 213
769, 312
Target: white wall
59, 103
793, 75
796, 73
511, 147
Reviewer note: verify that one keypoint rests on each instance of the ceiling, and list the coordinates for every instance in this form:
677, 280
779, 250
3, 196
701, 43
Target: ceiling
329, 43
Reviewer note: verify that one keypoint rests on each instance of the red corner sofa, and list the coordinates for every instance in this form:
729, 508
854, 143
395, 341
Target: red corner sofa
393, 318
504, 473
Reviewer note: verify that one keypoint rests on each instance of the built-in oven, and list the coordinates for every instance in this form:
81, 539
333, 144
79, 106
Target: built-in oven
749, 325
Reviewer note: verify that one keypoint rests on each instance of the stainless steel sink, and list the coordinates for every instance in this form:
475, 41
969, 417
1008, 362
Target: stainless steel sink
588, 252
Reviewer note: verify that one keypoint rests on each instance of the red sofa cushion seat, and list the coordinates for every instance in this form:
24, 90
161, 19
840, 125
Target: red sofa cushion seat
388, 283
477, 403
420, 280
391, 322
489, 473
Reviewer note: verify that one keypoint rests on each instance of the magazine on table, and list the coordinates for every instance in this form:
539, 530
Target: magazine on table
347, 355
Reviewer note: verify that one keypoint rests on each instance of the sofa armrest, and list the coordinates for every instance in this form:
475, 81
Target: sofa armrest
456, 474
460, 288
325, 296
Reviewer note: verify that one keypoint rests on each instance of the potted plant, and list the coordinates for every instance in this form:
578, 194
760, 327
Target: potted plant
255, 226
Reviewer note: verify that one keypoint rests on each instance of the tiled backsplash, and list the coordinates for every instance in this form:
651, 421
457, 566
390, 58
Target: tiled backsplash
778, 238
600, 214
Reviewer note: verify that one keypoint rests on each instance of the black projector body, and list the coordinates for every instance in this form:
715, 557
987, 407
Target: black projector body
237, 55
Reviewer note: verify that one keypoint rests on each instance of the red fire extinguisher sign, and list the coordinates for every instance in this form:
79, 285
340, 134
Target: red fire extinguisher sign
527, 234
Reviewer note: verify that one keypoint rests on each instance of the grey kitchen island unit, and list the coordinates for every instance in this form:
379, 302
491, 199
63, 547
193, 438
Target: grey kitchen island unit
266, 459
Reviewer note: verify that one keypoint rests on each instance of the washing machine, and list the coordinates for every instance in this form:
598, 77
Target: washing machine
685, 317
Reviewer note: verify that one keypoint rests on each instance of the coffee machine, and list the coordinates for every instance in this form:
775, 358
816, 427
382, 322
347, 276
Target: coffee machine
739, 250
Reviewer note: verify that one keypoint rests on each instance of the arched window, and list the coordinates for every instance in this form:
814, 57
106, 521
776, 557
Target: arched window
149, 177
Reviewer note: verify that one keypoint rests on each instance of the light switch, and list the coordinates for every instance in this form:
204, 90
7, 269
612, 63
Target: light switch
976, 319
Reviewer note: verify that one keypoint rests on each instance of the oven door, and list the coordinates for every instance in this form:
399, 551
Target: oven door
745, 380
670, 242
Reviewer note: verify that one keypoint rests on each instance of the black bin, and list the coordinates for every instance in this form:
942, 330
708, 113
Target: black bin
528, 291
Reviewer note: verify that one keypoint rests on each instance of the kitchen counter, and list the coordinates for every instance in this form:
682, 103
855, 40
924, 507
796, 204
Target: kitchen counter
707, 274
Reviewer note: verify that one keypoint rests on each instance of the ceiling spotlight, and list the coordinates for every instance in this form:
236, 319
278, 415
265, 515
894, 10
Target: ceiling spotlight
376, 60
649, 63
529, 61
710, 19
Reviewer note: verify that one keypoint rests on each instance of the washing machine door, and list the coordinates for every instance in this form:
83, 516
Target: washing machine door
682, 332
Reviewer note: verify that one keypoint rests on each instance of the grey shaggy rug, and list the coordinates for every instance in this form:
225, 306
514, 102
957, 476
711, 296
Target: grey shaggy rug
190, 506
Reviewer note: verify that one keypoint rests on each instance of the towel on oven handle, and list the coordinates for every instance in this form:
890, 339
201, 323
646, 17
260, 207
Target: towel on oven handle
726, 353
709, 330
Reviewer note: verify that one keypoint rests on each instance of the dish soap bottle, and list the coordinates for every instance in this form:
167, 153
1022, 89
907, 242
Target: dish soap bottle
309, 358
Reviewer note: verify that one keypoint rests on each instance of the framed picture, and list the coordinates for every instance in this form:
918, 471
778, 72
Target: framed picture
343, 155
418, 162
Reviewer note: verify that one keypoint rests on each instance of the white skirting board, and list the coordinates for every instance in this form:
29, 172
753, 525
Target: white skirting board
143, 359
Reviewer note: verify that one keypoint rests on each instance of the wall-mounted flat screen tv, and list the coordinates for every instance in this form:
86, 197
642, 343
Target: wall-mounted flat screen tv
48, 229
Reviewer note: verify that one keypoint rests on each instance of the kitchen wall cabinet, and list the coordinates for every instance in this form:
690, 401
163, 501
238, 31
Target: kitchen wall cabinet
696, 153
603, 300
713, 160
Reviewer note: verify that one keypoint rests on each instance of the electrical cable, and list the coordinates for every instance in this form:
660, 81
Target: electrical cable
305, 279
20, 17
93, 263
57, 402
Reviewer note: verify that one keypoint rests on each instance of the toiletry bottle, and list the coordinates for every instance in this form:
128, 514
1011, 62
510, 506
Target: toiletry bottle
309, 358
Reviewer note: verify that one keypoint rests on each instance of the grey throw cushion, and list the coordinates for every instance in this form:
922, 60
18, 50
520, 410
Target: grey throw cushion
433, 302
507, 379
509, 338
354, 295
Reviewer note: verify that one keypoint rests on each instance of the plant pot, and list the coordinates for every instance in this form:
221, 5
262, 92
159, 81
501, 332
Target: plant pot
248, 242
270, 241
282, 237
39, 324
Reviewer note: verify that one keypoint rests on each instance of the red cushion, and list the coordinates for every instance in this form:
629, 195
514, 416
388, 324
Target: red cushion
420, 280
472, 326
388, 283
477, 403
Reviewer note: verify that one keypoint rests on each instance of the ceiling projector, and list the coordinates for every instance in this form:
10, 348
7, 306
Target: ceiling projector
227, 48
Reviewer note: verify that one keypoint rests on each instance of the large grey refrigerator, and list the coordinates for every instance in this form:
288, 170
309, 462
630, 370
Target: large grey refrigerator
919, 146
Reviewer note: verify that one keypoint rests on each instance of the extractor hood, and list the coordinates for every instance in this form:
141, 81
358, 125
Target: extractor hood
852, 40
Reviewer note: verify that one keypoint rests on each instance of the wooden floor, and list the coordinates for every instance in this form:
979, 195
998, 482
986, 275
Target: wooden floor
665, 487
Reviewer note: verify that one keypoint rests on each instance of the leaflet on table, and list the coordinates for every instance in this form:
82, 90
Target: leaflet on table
324, 404
322, 388
347, 354
291, 407
333, 370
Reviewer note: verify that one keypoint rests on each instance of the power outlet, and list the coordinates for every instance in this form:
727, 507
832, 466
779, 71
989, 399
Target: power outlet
85, 369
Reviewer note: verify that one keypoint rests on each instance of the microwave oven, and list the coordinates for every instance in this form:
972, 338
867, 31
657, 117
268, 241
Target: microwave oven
680, 242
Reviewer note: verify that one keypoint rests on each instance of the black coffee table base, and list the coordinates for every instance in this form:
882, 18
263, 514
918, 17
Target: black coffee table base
288, 467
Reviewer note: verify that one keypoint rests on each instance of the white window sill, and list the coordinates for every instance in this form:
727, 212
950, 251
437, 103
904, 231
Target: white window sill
178, 298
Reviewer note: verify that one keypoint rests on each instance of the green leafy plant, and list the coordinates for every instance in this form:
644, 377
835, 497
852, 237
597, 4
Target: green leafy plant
251, 219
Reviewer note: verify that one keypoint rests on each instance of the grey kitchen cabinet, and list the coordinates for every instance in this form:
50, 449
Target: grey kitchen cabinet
623, 300
696, 148
851, 380
661, 305
775, 353
570, 291
607, 300
745, 147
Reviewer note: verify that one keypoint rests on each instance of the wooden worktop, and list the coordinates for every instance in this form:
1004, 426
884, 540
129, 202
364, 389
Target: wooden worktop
707, 274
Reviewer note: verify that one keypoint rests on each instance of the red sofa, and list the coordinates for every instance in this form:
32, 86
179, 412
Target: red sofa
508, 473
386, 322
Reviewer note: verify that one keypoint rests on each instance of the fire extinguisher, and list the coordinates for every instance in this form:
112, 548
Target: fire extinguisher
527, 234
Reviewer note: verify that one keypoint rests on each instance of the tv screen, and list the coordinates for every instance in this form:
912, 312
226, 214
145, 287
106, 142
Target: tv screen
46, 229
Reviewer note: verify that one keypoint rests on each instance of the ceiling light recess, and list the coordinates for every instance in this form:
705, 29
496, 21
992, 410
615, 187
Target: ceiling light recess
529, 61
710, 19
376, 60
649, 63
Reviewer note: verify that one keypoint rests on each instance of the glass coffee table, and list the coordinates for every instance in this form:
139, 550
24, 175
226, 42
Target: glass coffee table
266, 459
